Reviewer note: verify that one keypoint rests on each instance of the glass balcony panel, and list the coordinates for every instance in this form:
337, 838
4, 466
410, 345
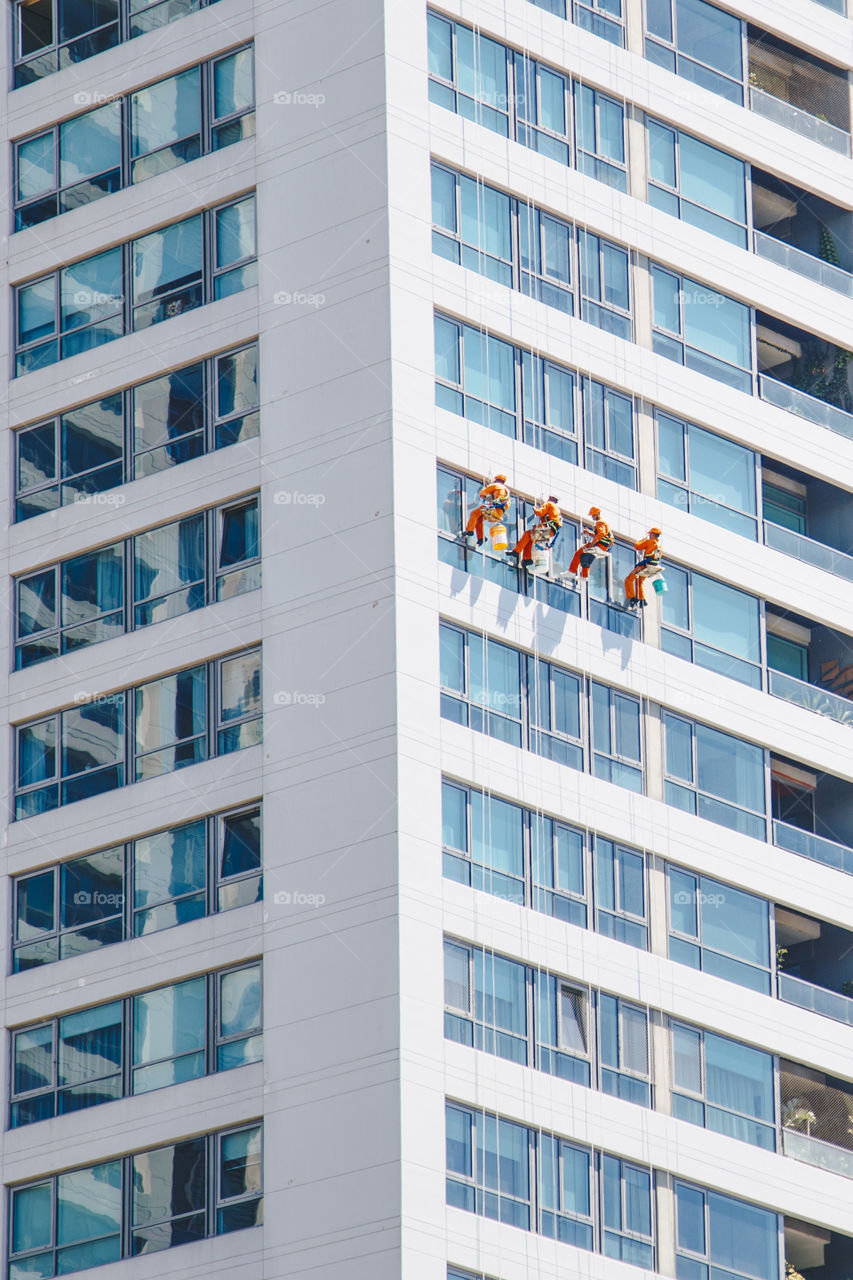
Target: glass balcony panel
817, 554
812, 697
807, 996
828, 135
823, 1155
805, 406
805, 264
796, 840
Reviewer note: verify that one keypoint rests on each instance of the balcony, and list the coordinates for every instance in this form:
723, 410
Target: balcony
798, 91
808, 550
813, 817
814, 962
817, 1118
804, 374
808, 663
802, 232
816, 1253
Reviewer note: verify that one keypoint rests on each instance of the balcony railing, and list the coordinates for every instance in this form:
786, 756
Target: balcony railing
805, 406
805, 264
807, 996
828, 135
814, 553
811, 696
823, 1155
795, 840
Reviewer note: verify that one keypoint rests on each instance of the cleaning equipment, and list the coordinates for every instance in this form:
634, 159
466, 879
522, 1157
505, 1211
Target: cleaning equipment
596, 543
497, 536
649, 566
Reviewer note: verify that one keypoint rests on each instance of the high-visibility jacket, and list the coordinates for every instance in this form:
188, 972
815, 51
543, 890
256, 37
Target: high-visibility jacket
649, 548
601, 534
549, 513
495, 494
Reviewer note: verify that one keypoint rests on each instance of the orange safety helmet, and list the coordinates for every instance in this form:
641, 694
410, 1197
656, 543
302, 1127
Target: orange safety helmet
498, 476
655, 531
595, 512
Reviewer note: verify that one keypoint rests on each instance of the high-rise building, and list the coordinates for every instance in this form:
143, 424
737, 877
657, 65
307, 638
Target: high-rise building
378, 904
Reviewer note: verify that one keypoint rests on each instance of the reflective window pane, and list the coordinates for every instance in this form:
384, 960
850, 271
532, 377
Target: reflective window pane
90, 144
165, 112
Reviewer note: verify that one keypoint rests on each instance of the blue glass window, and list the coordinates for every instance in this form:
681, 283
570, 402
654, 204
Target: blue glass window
702, 329
543, 108
609, 433
138, 1204
605, 285
734, 1238
81, 751
137, 284
623, 1036
554, 704
626, 1195
485, 997
712, 624
722, 1085
488, 1166
600, 137
620, 893
701, 472
697, 183
617, 737
698, 41
546, 258
715, 775
565, 1192
559, 870
563, 1021
468, 74
719, 929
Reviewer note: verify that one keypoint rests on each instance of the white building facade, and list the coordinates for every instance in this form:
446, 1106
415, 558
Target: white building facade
376, 906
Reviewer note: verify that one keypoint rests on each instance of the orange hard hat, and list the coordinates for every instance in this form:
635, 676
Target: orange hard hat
655, 531
498, 476
595, 511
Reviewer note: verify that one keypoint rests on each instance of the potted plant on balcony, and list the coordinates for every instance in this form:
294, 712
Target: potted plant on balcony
798, 1115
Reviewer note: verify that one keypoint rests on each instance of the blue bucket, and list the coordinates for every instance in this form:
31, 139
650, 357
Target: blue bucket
660, 586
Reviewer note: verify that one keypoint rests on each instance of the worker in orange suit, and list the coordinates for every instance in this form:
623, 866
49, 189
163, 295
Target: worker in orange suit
494, 503
599, 536
543, 534
649, 564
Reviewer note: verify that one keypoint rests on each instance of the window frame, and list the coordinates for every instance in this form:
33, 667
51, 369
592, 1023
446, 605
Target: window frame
128, 1066
676, 192
213, 423
173, 296
696, 502
701, 1098
127, 160
674, 61
674, 785
127, 909
691, 643
512, 272
675, 346
128, 762
212, 1141
208, 584
698, 942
